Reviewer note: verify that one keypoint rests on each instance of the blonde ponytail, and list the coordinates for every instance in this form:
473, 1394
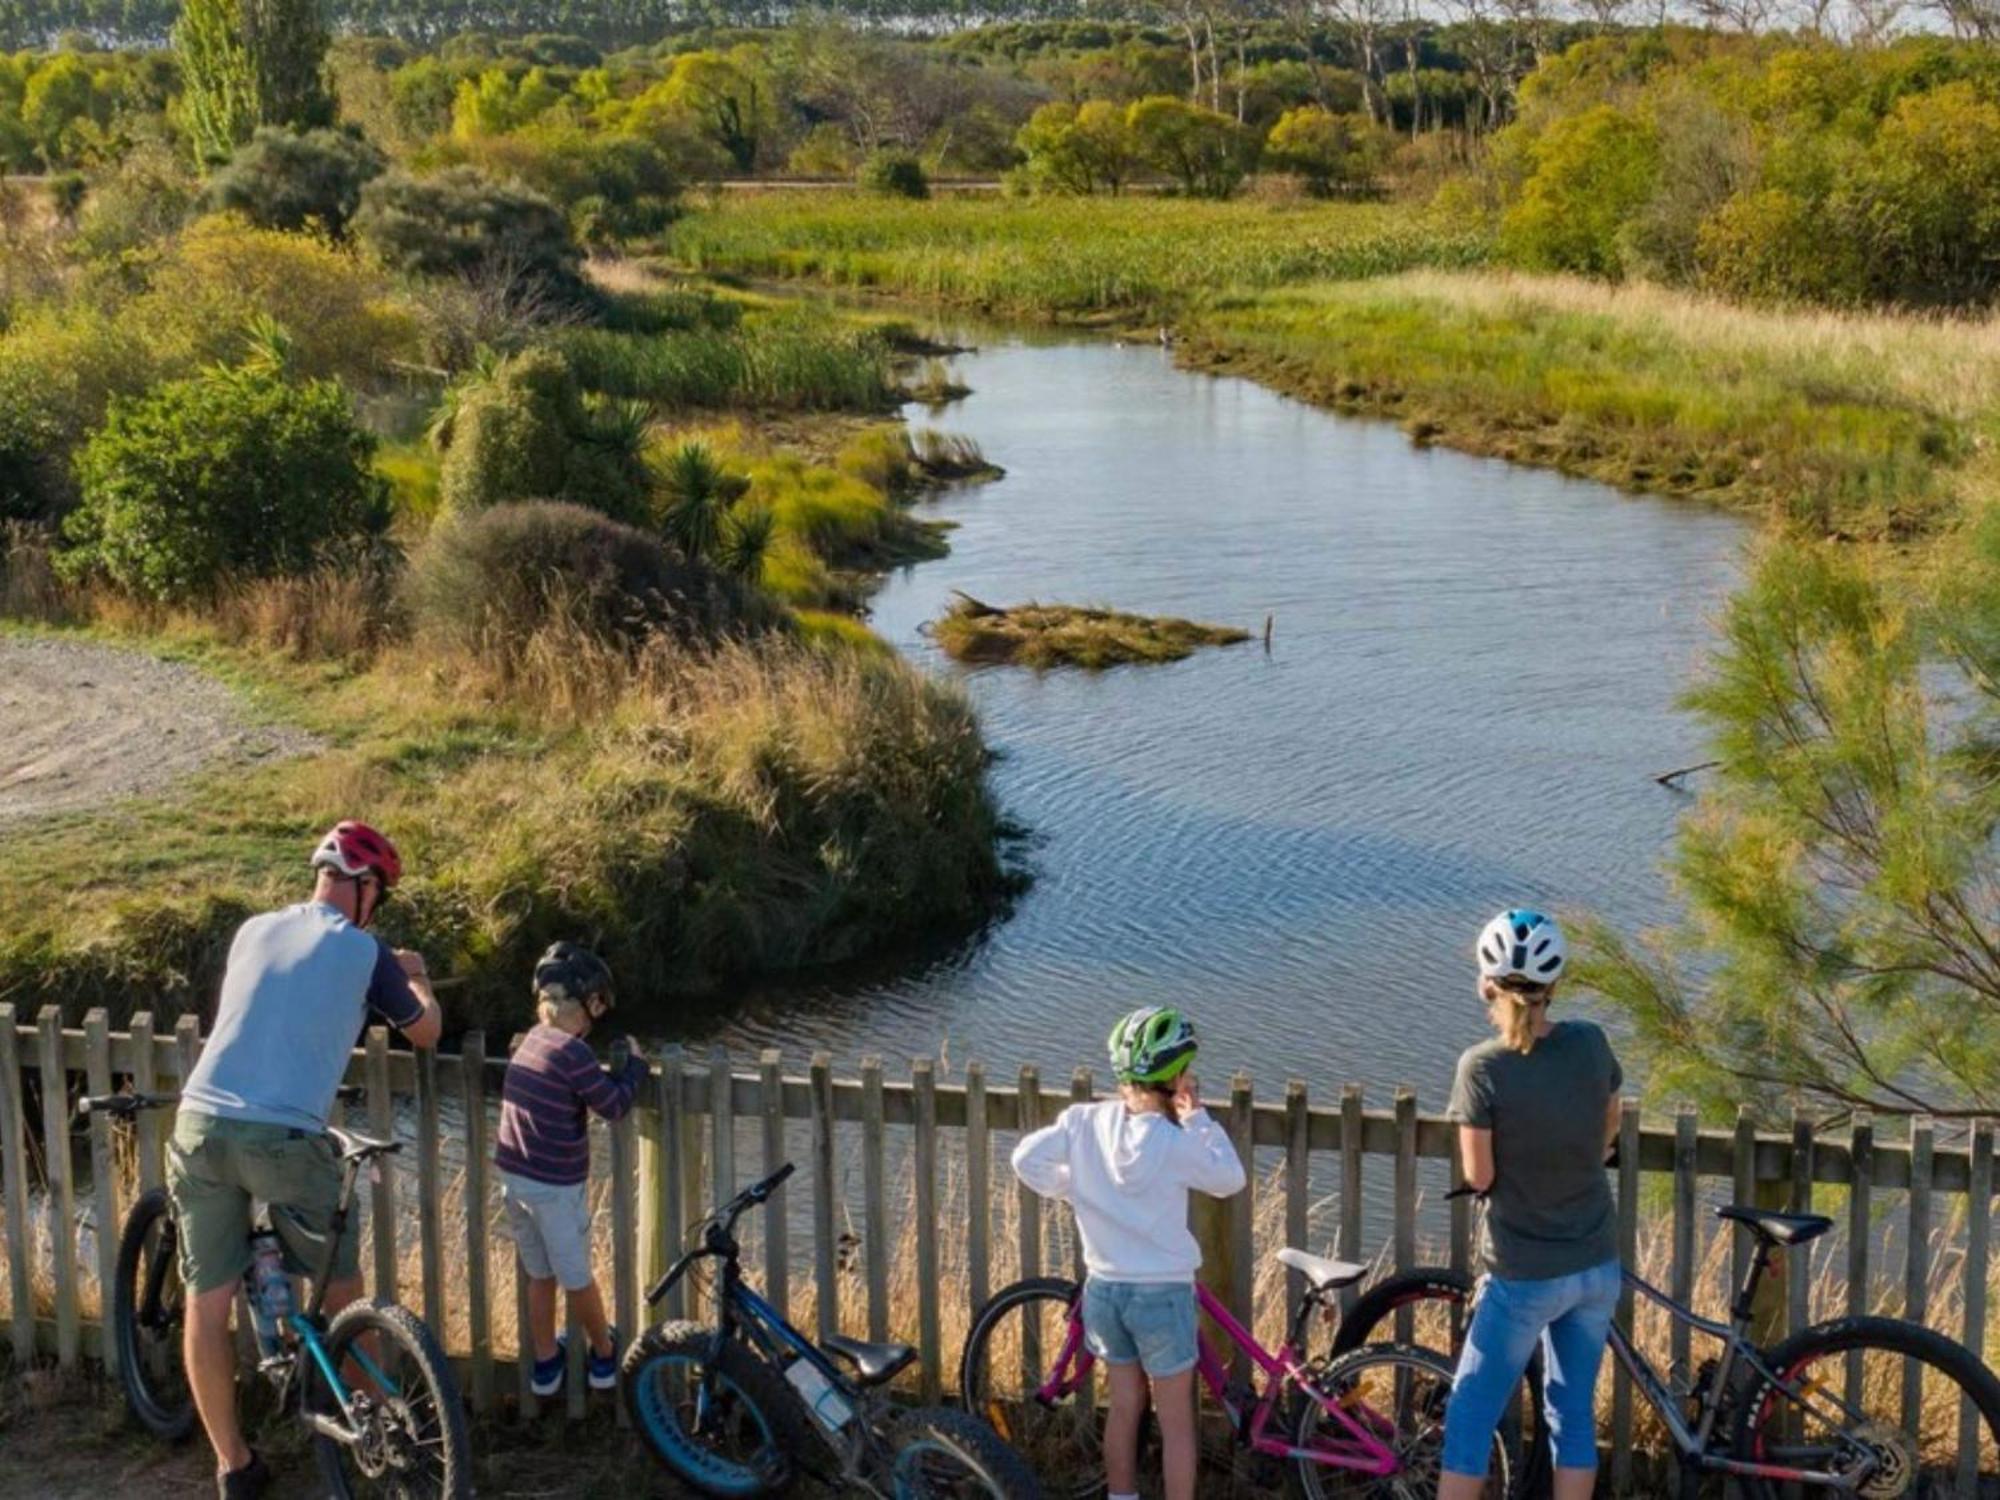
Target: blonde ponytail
1517, 1013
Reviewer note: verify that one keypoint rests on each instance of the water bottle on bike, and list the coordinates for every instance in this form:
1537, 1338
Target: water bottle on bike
270, 1291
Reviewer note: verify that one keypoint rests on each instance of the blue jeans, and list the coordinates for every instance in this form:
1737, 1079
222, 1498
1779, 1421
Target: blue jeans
1571, 1316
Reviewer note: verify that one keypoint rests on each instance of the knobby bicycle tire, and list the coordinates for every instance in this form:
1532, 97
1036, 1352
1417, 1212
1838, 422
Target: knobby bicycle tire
164, 1408
1762, 1398
970, 1447
786, 1427
430, 1421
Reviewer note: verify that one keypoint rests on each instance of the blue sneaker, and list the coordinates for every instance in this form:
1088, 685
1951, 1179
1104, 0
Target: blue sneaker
604, 1372
547, 1377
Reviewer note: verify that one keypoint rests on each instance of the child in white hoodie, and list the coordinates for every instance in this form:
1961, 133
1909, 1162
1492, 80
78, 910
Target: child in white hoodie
1126, 1165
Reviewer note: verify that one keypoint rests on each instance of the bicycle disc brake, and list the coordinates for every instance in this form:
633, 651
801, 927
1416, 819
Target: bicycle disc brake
1883, 1466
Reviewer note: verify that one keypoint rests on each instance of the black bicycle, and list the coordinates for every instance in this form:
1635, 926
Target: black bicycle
371, 1385
746, 1405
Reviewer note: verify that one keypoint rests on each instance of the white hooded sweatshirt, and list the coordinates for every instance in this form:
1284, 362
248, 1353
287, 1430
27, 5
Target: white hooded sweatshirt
1127, 1176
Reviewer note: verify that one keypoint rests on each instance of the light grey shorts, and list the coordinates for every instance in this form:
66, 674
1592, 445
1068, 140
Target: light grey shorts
551, 1228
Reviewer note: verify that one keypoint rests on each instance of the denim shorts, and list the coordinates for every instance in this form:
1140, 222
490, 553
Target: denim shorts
1151, 1324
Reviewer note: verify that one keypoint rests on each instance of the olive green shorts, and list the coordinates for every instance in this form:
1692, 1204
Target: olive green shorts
216, 1167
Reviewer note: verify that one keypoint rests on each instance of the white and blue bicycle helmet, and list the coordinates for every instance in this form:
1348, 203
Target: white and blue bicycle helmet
1522, 947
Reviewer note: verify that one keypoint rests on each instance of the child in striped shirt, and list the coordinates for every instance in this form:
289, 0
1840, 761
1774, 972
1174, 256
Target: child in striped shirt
553, 1085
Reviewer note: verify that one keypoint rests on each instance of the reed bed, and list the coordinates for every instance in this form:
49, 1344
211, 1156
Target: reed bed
1063, 257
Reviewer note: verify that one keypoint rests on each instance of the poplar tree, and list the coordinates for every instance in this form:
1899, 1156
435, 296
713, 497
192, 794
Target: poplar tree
248, 63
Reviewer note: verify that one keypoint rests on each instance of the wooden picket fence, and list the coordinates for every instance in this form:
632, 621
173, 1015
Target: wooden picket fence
704, 1126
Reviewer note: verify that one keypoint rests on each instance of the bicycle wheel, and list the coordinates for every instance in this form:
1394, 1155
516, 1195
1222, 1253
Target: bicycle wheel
410, 1441
148, 1307
1441, 1302
942, 1454
1009, 1355
732, 1430
1396, 1394
1921, 1417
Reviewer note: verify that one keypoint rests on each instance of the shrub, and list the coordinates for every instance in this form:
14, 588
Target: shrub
1774, 246
613, 187
1331, 152
895, 174
136, 205
826, 150
1078, 148
463, 223
232, 473
524, 432
1927, 197
59, 370
279, 180
485, 583
224, 274
1207, 154
1592, 172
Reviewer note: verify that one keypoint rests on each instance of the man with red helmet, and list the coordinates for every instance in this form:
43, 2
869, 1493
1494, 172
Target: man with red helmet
296, 993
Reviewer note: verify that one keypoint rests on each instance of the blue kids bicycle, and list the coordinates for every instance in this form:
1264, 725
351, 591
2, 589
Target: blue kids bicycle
372, 1385
743, 1406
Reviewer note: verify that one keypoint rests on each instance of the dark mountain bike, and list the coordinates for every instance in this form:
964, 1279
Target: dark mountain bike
372, 1385
744, 1406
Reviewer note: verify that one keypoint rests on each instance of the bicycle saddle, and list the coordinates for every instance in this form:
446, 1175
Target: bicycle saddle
1779, 1229
360, 1147
874, 1363
1324, 1274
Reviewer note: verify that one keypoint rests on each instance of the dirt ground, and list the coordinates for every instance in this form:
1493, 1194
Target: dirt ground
70, 1440
83, 724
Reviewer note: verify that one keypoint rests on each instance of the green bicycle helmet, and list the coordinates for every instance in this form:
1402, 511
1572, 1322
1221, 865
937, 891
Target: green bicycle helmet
1152, 1045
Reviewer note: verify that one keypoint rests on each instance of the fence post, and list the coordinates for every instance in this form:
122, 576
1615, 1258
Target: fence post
777, 1238
1080, 1091
673, 1149
1029, 1110
524, 1350
875, 1199
1858, 1217
146, 1080
103, 1179
430, 1217
675, 1067
1350, 1186
930, 1338
1686, 1143
978, 1190
14, 1164
62, 1200
1978, 1228
826, 1187
1916, 1275
1628, 1254
382, 1197
1405, 1199
624, 1251
1298, 1187
1242, 1207
1798, 1268
478, 1311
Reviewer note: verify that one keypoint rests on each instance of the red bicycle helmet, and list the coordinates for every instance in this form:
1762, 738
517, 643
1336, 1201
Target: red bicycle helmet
353, 849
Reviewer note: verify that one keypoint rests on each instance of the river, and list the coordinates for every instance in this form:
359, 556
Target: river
1471, 684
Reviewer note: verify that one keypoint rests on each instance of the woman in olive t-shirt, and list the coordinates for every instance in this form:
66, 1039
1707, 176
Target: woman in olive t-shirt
1537, 1109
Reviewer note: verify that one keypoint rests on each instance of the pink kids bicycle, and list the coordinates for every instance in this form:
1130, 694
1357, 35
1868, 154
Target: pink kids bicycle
1368, 1422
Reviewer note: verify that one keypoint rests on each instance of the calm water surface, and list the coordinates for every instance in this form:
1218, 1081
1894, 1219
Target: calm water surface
1470, 686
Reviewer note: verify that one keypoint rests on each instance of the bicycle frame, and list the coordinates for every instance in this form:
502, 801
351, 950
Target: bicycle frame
1692, 1441
306, 1327
1356, 1448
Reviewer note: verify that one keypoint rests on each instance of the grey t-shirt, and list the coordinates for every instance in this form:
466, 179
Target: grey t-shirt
297, 990
1550, 1211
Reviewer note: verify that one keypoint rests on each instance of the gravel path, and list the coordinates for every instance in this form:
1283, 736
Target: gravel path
83, 724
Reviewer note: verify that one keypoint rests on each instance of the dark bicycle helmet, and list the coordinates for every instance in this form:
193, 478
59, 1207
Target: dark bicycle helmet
570, 971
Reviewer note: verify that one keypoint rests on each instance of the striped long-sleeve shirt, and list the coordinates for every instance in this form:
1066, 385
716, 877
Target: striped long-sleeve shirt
553, 1082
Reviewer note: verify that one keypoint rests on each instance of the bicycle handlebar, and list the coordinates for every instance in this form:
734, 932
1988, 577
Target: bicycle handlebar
124, 1106
756, 1193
